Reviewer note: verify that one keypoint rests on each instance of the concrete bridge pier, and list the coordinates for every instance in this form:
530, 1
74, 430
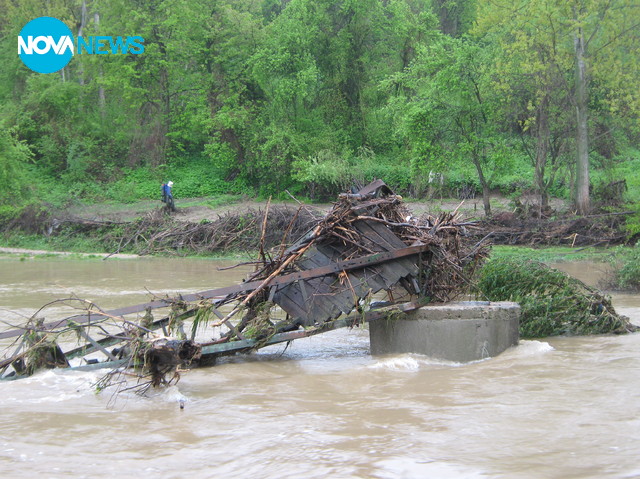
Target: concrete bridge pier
458, 331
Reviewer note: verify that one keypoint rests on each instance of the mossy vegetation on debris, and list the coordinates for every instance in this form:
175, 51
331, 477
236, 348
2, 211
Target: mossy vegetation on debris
553, 303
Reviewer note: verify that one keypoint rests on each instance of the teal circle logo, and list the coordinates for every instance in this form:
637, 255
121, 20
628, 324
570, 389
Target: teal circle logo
45, 45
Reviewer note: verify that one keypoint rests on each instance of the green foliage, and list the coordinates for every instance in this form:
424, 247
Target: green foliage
67, 242
192, 180
8, 213
137, 184
554, 254
632, 224
196, 182
546, 98
324, 170
625, 165
445, 110
14, 155
221, 156
328, 174
55, 192
625, 269
233, 96
552, 302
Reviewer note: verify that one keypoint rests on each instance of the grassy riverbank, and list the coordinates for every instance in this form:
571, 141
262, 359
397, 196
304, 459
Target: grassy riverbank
51, 244
553, 254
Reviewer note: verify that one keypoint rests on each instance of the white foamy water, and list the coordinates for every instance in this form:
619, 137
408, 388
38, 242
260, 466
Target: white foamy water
529, 348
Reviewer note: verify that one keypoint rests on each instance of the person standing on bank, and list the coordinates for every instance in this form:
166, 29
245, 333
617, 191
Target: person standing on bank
167, 195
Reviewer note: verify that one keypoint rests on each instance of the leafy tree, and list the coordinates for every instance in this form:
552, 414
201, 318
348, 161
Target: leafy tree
448, 113
14, 155
531, 76
560, 45
290, 93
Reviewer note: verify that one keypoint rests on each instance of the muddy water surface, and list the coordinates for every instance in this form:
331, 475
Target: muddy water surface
555, 408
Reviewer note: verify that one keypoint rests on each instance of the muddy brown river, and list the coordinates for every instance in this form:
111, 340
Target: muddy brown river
323, 408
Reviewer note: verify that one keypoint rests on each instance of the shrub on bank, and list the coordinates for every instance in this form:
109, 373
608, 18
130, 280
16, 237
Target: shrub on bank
191, 181
625, 273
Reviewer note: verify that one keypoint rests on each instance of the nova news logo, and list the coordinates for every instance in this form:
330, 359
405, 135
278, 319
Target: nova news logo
46, 45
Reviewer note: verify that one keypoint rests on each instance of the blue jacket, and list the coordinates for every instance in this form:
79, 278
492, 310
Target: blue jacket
166, 191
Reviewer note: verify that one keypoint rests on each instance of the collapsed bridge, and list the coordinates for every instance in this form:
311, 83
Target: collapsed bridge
367, 252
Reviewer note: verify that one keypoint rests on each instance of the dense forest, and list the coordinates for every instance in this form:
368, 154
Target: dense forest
262, 96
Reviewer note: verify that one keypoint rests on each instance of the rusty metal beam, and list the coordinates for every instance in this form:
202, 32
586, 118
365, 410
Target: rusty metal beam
221, 349
350, 321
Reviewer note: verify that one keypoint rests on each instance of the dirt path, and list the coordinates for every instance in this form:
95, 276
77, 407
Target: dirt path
191, 210
195, 210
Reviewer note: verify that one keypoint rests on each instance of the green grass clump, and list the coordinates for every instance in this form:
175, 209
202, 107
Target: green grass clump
65, 242
552, 254
625, 274
552, 302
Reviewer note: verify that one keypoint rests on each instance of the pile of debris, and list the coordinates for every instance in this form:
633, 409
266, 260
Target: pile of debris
508, 228
157, 233
367, 252
433, 258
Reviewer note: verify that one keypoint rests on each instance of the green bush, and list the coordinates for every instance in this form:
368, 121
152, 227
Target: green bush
8, 213
397, 176
199, 179
461, 179
190, 181
625, 272
632, 223
552, 302
14, 155
625, 166
137, 184
327, 173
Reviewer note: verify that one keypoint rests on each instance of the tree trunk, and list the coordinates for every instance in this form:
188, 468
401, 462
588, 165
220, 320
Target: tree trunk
582, 133
542, 151
83, 25
486, 197
449, 15
102, 100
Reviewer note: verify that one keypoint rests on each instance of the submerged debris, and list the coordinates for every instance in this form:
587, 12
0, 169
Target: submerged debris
41, 351
552, 302
164, 356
